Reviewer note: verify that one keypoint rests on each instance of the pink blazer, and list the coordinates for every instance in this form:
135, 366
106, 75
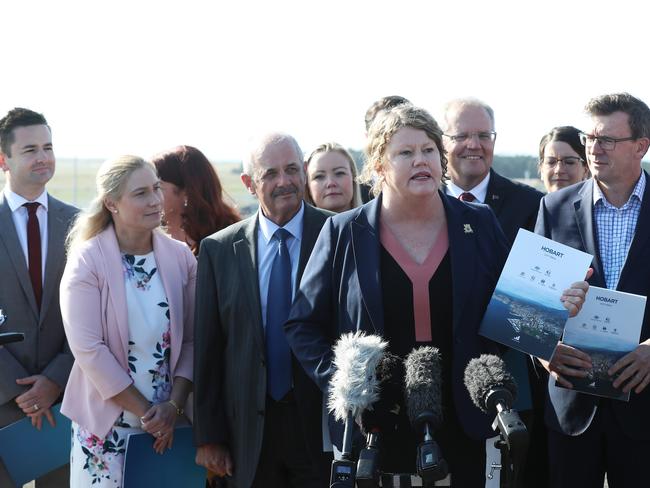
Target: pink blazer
94, 311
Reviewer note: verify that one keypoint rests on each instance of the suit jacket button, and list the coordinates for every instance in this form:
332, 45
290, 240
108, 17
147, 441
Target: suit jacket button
263, 363
260, 413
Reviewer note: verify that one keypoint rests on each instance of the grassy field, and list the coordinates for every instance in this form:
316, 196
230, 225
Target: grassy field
74, 182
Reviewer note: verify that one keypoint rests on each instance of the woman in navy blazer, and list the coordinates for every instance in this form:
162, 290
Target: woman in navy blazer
354, 280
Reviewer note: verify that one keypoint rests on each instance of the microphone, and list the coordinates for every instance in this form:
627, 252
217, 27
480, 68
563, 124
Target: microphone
9, 337
493, 390
381, 417
422, 390
353, 388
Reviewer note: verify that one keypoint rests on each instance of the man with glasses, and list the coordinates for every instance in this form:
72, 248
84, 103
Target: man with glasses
607, 216
469, 141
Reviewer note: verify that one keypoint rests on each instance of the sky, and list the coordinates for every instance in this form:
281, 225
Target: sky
141, 76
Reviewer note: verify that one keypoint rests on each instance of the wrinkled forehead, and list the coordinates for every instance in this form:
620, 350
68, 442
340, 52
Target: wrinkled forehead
616, 124
278, 154
468, 118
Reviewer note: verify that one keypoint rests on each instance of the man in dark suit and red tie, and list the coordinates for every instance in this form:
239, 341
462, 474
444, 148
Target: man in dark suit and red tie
34, 225
258, 417
607, 216
469, 141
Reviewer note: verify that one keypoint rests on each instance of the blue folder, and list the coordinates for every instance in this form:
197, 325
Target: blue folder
174, 468
28, 453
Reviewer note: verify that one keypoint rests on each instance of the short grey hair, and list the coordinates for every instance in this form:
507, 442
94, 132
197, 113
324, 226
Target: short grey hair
466, 102
257, 145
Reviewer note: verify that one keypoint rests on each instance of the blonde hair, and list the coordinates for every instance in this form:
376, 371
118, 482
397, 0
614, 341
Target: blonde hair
335, 147
382, 130
110, 181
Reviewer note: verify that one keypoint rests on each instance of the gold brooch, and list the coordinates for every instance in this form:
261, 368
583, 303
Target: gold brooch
468, 229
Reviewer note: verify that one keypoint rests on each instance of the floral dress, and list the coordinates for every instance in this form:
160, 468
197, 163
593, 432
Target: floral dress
99, 462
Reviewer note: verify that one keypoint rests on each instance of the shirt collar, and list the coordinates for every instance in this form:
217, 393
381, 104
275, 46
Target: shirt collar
294, 226
638, 191
479, 191
15, 201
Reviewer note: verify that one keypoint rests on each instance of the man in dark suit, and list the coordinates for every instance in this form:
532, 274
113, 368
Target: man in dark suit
469, 141
258, 417
607, 216
33, 373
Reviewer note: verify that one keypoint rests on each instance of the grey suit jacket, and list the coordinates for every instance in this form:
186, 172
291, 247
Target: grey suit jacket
230, 353
44, 350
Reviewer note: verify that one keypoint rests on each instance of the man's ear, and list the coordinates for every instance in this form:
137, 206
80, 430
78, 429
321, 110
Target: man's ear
3, 162
643, 144
248, 183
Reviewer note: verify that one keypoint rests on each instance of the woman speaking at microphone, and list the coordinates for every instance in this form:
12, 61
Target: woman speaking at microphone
415, 267
127, 302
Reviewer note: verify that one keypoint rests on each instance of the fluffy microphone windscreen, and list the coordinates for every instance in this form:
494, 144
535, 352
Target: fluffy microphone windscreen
422, 385
484, 374
354, 386
383, 414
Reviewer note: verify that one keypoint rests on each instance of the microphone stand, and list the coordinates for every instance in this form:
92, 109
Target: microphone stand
513, 444
343, 472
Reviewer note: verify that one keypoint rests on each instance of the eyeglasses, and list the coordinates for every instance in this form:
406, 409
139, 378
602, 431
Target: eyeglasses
605, 143
464, 136
569, 161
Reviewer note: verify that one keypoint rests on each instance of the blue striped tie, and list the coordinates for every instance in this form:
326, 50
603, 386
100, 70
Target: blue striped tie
278, 355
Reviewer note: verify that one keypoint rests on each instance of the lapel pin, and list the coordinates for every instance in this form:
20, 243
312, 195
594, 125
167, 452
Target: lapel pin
468, 229
495, 197
3, 317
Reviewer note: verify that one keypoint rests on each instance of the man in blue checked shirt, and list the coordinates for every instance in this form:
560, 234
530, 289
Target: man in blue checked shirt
607, 216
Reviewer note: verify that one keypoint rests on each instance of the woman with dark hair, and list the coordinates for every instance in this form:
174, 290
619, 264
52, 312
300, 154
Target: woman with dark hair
562, 160
194, 198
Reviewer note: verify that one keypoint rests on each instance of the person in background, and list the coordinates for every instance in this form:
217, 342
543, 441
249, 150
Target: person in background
427, 270
470, 138
257, 416
331, 179
607, 216
562, 160
127, 302
194, 202
33, 226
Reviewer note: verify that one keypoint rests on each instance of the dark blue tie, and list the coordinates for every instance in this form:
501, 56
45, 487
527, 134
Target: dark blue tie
278, 355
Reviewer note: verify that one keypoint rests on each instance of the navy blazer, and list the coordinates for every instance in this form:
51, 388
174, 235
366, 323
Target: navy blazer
566, 216
341, 292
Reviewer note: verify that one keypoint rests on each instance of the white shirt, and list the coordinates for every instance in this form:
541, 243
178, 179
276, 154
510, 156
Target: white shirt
20, 216
479, 191
267, 248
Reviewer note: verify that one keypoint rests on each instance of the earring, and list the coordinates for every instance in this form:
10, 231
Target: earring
185, 203
115, 211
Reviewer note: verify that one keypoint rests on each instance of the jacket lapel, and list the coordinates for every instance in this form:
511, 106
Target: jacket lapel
15, 254
57, 227
310, 229
245, 249
114, 276
583, 206
462, 251
494, 196
638, 247
365, 246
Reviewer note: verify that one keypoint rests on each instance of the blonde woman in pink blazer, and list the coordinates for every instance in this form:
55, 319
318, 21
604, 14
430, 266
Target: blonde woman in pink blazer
127, 302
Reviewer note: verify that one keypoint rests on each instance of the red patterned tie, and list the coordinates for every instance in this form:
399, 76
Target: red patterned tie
466, 197
34, 251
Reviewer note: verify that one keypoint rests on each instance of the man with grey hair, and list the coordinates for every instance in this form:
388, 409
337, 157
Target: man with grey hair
258, 417
469, 141
607, 216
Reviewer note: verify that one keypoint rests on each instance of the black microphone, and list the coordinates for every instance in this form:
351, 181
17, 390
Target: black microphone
493, 390
9, 337
380, 418
424, 409
353, 388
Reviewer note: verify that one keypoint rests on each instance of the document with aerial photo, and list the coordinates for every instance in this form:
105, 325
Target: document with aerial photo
607, 328
525, 311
